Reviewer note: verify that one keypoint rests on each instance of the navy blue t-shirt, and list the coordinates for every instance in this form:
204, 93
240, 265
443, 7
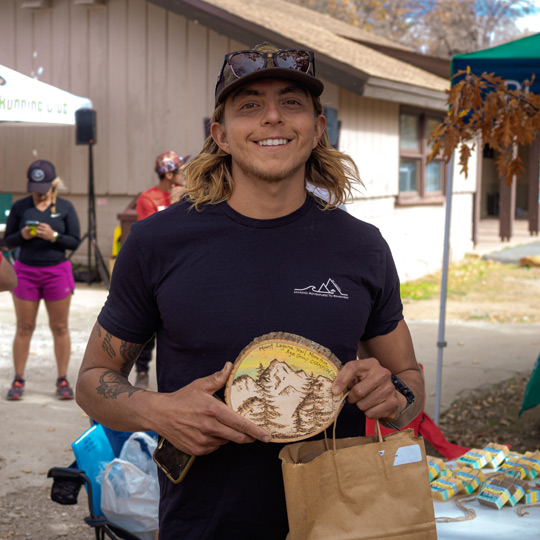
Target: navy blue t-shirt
208, 283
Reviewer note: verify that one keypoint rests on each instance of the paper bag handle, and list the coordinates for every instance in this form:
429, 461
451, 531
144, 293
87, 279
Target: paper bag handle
338, 409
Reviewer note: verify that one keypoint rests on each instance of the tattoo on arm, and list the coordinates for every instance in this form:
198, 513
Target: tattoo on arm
107, 347
130, 351
112, 384
106, 343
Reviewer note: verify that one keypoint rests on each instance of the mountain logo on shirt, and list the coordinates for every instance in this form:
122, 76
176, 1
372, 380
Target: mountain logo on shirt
330, 289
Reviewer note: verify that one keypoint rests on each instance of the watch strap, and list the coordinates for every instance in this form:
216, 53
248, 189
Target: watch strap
403, 389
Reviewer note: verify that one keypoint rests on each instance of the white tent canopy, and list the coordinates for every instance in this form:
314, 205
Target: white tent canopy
24, 99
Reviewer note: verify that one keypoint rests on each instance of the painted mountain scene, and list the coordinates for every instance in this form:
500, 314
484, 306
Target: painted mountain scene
284, 385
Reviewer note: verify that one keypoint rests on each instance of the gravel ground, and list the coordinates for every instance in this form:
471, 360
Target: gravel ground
490, 414
30, 514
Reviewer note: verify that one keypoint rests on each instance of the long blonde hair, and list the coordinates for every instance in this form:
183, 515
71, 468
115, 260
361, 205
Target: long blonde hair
55, 185
210, 181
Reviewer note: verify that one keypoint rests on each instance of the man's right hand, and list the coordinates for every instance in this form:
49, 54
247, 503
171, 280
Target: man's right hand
196, 422
191, 418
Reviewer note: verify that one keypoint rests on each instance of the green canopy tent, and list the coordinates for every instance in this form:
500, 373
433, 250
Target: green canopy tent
532, 392
515, 62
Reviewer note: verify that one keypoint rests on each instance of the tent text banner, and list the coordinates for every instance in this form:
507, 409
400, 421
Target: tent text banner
23, 99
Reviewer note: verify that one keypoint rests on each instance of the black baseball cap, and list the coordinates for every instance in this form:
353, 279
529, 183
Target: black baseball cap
266, 61
40, 175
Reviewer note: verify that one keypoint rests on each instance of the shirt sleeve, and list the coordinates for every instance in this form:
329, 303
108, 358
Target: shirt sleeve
387, 308
130, 312
71, 238
145, 207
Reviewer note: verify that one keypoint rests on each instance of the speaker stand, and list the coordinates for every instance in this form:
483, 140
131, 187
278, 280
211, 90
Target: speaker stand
96, 269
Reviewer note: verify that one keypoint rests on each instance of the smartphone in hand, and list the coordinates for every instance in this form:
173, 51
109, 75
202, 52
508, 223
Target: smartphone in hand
32, 225
173, 462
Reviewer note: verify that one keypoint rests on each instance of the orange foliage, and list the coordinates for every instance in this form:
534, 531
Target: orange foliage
483, 105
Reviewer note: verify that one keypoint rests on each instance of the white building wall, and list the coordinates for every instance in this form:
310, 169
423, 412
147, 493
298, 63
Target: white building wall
415, 234
369, 134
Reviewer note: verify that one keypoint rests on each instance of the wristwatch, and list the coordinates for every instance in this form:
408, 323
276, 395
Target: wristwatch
403, 389
56, 234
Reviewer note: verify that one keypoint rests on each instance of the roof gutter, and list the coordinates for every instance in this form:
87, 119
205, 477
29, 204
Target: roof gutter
417, 96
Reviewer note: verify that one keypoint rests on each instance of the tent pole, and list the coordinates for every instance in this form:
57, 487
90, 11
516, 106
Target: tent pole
441, 343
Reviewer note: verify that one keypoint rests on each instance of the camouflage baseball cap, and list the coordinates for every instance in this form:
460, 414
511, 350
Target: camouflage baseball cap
267, 61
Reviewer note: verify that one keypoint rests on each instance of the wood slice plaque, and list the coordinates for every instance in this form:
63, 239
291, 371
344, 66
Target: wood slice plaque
283, 383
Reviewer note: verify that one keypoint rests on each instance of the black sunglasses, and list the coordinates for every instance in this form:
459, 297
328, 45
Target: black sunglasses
244, 62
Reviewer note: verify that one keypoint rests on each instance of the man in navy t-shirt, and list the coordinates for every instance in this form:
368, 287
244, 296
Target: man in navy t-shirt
248, 252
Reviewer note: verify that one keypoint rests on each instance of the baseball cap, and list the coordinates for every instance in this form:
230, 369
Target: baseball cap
169, 161
40, 175
267, 61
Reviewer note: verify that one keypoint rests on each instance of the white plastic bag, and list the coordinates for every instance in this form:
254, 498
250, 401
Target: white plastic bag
130, 489
138, 449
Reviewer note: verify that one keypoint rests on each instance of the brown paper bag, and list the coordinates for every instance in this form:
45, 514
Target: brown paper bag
359, 488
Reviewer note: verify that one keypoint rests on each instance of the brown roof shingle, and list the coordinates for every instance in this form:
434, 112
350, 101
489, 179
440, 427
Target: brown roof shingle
287, 24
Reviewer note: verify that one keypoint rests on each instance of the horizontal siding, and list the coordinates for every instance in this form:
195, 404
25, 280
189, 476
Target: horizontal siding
370, 135
149, 73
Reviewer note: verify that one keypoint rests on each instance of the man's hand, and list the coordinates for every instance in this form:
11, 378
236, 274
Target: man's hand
196, 422
370, 388
191, 418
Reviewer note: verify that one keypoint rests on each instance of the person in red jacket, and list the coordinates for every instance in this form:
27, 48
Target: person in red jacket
169, 168
172, 183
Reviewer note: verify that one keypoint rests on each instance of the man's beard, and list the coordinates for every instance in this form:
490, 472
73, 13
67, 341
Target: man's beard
272, 177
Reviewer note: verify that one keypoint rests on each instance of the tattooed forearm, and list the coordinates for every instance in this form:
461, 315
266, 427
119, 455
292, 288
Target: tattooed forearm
107, 346
112, 384
130, 351
106, 343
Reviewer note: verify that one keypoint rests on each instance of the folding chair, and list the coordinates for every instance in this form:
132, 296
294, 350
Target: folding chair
67, 482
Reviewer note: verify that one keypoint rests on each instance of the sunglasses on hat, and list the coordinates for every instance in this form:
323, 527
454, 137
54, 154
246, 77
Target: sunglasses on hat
244, 62
266, 60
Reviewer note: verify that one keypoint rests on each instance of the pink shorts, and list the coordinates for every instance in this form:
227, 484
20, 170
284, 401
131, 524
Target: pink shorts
48, 282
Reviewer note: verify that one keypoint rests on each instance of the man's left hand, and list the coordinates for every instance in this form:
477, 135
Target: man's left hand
370, 388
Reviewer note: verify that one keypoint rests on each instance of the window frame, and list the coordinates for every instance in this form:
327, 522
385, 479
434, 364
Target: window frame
420, 195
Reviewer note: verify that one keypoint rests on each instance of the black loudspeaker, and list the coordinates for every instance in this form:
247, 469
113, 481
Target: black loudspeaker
85, 120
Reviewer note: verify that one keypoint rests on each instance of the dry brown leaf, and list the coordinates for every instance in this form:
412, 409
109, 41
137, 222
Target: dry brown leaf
482, 104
